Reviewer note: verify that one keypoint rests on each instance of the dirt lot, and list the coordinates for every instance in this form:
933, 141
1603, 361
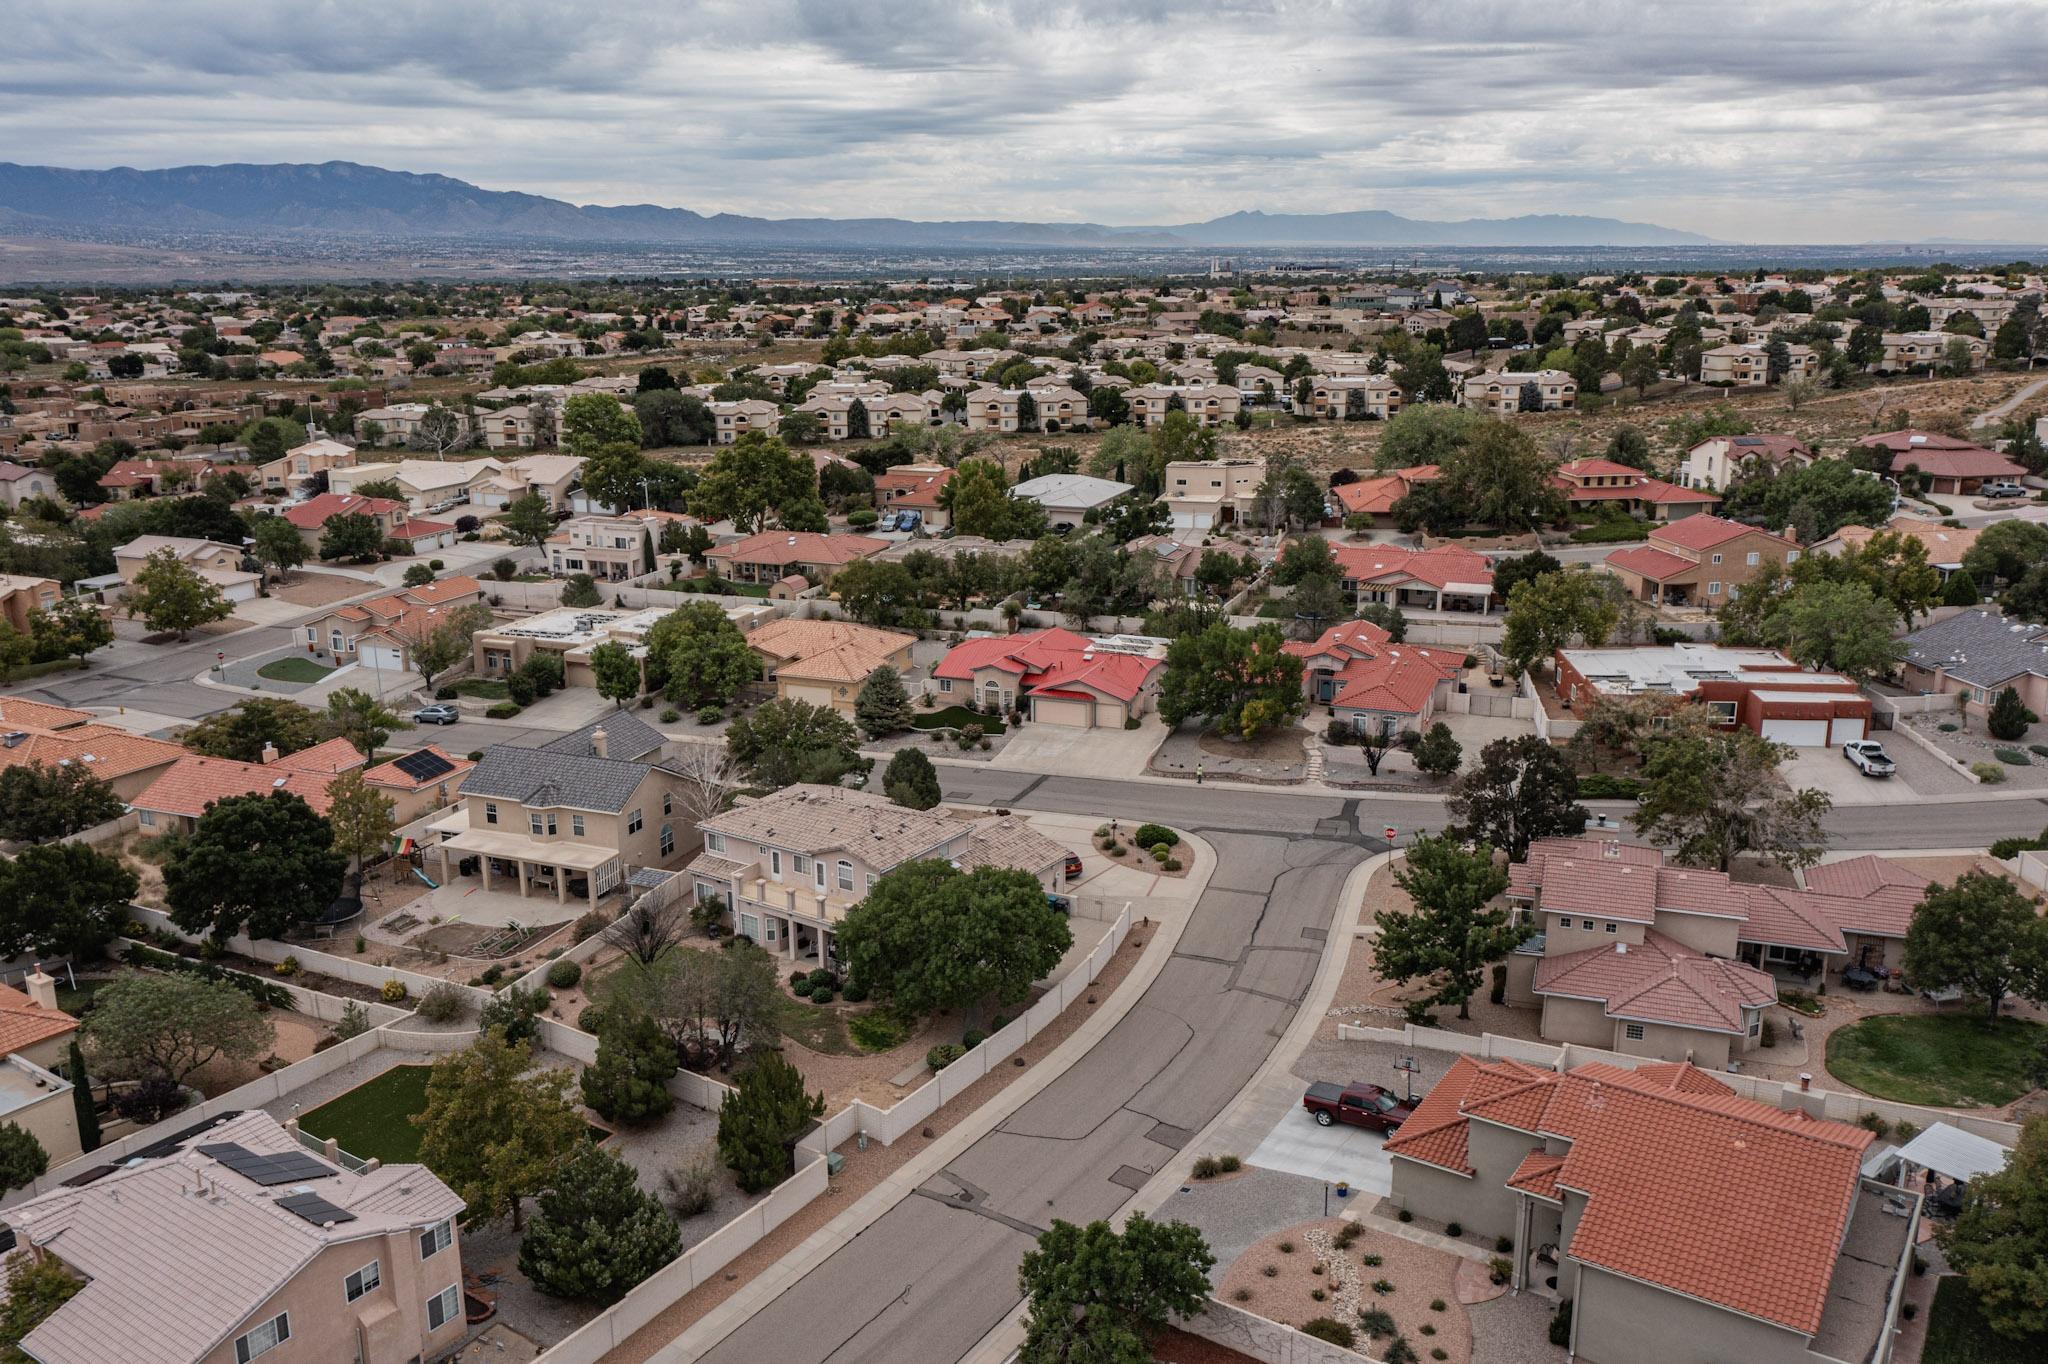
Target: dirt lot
317, 589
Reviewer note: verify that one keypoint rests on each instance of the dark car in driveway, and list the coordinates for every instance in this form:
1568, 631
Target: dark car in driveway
1359, 1105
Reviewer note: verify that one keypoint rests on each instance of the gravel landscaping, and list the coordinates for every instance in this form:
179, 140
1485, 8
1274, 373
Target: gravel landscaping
1281, 1274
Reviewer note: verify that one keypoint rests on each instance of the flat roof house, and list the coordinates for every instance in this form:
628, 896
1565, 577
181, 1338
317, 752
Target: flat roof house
1205, 494
1760, 690
791, 865
1701, 561
1684, 1225
238, 1243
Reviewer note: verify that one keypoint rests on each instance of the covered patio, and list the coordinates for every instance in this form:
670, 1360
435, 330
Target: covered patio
536, 868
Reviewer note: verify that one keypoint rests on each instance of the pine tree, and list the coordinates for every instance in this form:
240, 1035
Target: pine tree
2010, 716
883, 706
1961, 591
81, 1101
595, 1234
1439, 753
628, 1082
759, 1122
911, 780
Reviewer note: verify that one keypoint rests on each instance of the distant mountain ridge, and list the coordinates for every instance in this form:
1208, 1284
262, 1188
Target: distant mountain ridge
344, 198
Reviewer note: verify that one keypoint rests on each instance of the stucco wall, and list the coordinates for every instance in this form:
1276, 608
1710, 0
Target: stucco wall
1620, 1321
1583, 1021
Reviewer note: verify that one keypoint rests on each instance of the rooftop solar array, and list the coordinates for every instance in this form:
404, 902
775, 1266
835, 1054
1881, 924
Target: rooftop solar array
288, 1168
424, 766
315, 1209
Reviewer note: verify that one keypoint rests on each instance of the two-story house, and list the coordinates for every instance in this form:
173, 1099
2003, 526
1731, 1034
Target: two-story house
1206, 404
301, 466
380, 634
1370, 684
1502, 393
1747, 364
1591, 483
731, 420
277, 1254
1699, 562
610, 548
916, 487
20, 482
1205, 494
791, 865
1352, 397
1717, 461
22, 596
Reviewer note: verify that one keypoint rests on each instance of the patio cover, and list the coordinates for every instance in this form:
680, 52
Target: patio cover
1953, 1152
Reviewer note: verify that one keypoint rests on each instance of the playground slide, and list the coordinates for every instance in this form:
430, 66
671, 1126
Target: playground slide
424, 877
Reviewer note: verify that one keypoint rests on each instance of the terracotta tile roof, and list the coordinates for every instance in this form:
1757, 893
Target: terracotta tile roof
1659, 980
1607, 889
1537, 1174
1398, 682
1869, 894
798, 547
794, 640
108, 751
1352, 639
191, 784
1649, 562
18, 712
1704, 532
911, 490
1966, 462
1439, 567
328, 759
315, 512
1790, 918
1376, 495
1047, 660
23, 1022
1436, 1132
1946, 545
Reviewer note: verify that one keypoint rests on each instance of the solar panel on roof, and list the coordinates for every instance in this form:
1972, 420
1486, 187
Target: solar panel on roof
315, 1209
290, 1167
423, 766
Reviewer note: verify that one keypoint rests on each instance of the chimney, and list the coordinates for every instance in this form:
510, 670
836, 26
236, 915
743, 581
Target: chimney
599, 744
269, 754
1805, 1081
1791, 533
42, 988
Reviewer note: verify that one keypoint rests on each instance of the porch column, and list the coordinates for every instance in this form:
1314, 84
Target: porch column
787, 927
1439, 604
521, 864
591, 882
562, 884
483, 862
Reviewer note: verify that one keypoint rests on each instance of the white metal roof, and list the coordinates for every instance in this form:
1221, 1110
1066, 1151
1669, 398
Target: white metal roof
1953, 1152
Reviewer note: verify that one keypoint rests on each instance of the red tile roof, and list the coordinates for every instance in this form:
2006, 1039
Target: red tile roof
1869, 895
1659, 980
1968, 462
24, 1023
798, 547
1439, 567
1398, 682
191, 784
1376, 495
1537, 1174
315, 512
1655, 564
107, 751
1049, 662
1703, 532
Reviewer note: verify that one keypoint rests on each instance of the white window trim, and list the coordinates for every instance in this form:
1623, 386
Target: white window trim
715, 842
363, 1282
440, 1236
451, 1295
279, 1328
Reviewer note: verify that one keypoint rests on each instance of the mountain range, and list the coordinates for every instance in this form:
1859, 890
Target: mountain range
344, 198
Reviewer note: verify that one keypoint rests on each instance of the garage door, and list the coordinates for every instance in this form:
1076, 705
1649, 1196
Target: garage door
374, 656
1798, 733
1075, 714
1845, 729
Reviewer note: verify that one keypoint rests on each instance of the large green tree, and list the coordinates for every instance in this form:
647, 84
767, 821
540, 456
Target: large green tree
528, 520
1998, 1242
495, 1130
751, 478
263, 863
1240, 680
1981, 935
596, 1234
362, 719
931, 937
1425, 434
172, 598
1716, 796
783, 742
72, 628
1501, 478
1553, 610
699, 657
242, 732
360, 816
592, 421
351, 536
911, 780
1097, 1295
63, 900
448, 642
1520, 790
883, 705
1448, 936
146, 1026
761, 1119
1817, 499
39, 802
1836, 627
615, 672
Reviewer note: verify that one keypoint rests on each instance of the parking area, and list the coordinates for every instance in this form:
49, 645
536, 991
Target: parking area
1920, 773
1333, 1155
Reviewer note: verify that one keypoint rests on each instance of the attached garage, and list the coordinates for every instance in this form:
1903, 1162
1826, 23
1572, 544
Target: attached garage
388, 657
1797, 733
1074, 714
1845, 729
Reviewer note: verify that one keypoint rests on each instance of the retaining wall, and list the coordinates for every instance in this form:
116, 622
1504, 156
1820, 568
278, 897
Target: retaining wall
1269, 1341
351, 969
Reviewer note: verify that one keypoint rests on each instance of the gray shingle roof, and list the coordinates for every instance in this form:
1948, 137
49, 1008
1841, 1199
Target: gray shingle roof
1980, 647
537, 777
626, 736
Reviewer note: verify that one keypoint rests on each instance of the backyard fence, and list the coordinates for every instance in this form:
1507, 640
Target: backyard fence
353, 970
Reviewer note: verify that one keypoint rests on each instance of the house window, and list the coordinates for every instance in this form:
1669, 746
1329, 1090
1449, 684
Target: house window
668, 839
444, 1307
945, 684
1586, 924
576, 825
264, 1338
364, 1280
490, 812
1713, 589
750, 926
803, 865
715, 842
435, 1239
1717, 558
334, 640
668, 802
540, 824
146, 818
1610, 927
872, 878
1791, 556
775, 863
1633, 1032
312, 634
1753, 559
633, 822
818, 879
845, 875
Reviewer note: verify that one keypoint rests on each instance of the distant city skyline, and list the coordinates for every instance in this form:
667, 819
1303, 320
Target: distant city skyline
1792, 122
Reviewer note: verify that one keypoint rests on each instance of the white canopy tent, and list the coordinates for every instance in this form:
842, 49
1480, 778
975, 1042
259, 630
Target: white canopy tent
1954, 1153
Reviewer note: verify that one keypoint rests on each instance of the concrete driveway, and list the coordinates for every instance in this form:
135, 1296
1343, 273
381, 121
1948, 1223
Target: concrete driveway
1099, 752
1919, 773
1333, 1155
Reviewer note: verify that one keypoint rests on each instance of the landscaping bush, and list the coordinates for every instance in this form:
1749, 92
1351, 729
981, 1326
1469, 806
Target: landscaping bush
2009, 716
1991, 774
288, 967
492, 974
1171, 864
444, 1003
1454, 1230
854, 993
1206, 1167
802, 988
1600, 786
504, 710
974, 1038
2012, 757
670, 715
1500, 1269
1330, 1329
1231, 1165
825, 976
151, 1101
821, 994
688, 1191
520, 688
1376, 1322
877, 1029
1383, 1286
393, 991
1498, 992
1401, 1352
797, 978
2038, 750
709, 715
564, 975
445, 693
1561, 1325
1154, 835
943, 1055
1611, 532
2006, 848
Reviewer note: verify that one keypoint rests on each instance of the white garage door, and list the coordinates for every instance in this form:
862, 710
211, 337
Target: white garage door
1845, 729
1075, 714
1798, 733
378, 656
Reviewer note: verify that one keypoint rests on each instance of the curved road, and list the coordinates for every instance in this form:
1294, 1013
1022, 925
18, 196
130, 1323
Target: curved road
928, 1279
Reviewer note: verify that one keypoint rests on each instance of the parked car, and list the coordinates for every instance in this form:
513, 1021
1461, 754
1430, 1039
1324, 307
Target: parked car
1359, 1105
1073, 867
2001, 488
1869, 756
440, 713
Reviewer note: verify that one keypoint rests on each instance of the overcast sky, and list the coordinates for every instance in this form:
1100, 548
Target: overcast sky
1783, 121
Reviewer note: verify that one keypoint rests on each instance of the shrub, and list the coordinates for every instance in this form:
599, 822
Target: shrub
1498, 991
802, 989
519, 686
1436, 1304
877, 1029
1401, 1352
1241, 1295
1500, 1269
1947, 727
1206, 1167
1376, 1322
1769, 1033
1271, 1271
821, 994
1426, 1329
1331, 1330
824, 975
1346, 1235
943, 1055
974, 1038
1152, 835
504, 710
444, 693
393, 991
1439, 1353
2012, 757
1406, 1216
492, 974
564, 975
1991, 774
288, 967
1159, 856
854, 993
591, 1019
1285, 1247
1116, 850
2009, 717
354, 1021
1318, 1294
516, 1013
797, 978
362, 944
2038, 750
1561, 1325
1171, 864
1600, 786
669, 715
151, 1101
688, 1191
1231, 1164
1370, 1261
1130, 722
444, 1003
1503, 1244
1454, 1230
1383, 1286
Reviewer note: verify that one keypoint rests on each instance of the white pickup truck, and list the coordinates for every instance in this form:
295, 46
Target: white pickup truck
1869, 756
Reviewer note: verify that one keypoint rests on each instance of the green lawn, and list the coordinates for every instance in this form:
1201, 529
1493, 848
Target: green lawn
1958, 1334
291, 669
819, 1029
956, 717
1946, 1060
372, 1119
484, 689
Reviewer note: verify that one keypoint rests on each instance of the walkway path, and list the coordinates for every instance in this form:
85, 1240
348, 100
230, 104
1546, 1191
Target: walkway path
2008, 407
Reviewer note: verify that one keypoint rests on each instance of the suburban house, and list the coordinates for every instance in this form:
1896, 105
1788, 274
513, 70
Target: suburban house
427, 484
1372, 685
1068, 679
1205, 494
918, 488
1052, 408
19, 483
571, 818
573, 632
825, 662
1598, 483
395, 521
127, 762
1069, 498
1206, 404
1759, 690
380, 634
1352, 397
731, 420
1980, 652
35, 1036
610, 548
1907, 351
177, 798
1376, 494
418, 783
835, 409
1718, 461
217, 563
1701, 561
1447, 578
301, 1256
1747, 364
21, 596
791, 865
1945, 545
1501, 393
548, 477
301, 466
1628, 1193
1947, 464
773, 555
394, 425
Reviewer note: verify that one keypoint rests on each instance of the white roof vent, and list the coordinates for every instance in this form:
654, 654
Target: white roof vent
1621, 949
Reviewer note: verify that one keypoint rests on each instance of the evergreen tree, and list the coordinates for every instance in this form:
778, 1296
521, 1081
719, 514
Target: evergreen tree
1449, 936
628, 1082
595, 1233
883, 706
911, 780
2010, 717
1439, 752
760, 1121
1961, 590
81, 1100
